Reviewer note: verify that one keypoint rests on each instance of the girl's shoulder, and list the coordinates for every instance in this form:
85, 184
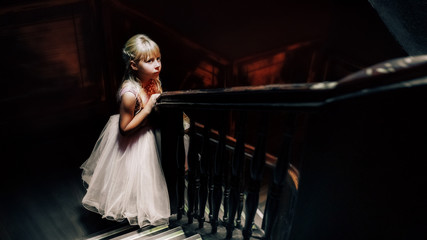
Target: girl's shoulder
128, 86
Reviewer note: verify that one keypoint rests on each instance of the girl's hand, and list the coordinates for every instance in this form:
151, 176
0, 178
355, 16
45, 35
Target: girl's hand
151, 102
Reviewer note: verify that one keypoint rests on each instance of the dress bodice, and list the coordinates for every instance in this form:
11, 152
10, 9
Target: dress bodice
142, 95
137, 95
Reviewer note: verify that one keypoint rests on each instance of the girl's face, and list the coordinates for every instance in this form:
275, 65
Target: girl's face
149, 68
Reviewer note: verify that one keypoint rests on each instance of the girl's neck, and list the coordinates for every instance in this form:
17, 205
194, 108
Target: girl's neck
144, 82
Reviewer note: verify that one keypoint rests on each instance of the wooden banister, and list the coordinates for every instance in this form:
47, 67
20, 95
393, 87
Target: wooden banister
224, 164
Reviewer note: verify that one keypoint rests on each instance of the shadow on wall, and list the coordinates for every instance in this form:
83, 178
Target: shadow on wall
406, 20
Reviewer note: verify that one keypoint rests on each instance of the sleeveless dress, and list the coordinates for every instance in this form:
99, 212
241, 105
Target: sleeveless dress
124, 176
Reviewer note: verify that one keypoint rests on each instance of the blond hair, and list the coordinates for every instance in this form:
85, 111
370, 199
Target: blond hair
138, 47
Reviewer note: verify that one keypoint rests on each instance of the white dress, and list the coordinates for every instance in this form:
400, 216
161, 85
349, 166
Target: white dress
124, 177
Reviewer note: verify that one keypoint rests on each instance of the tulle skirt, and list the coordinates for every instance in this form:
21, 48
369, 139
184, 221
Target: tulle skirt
125, 179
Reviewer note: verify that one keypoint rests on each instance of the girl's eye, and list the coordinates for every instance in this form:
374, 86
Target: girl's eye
159, 59
149, 60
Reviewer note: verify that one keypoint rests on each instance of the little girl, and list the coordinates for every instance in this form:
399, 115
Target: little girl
123, 173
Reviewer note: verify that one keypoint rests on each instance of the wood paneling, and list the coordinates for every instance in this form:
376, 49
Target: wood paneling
47, 64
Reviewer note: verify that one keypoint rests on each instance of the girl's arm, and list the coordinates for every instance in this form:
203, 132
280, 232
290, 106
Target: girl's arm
128, 122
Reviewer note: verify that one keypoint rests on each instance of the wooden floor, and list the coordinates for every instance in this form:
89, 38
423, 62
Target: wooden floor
48, 209
41, 185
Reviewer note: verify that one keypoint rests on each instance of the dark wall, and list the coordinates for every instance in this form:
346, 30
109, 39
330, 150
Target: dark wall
52, 70
357, 38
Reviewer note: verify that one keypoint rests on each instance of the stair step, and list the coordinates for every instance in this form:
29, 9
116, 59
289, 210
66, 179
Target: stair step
194, 237
111, 232
155, 233
172, 234
142, 232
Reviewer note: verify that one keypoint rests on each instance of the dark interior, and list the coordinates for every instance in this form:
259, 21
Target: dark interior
61, 68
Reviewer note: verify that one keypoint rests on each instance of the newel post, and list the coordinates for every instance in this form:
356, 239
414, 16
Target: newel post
169, 139
282, 194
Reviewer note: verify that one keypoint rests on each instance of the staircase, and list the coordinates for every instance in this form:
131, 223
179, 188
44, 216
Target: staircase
176, 230
181, 228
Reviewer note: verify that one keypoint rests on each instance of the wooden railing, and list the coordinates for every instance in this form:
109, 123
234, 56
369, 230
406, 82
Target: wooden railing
317, 139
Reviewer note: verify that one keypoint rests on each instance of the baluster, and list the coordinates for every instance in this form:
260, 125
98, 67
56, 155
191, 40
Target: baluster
192, 159
210, 194
180, 181
240, 209
217, 176
226, 203
227, 183
257, 163
237, 163
197, 188
204, 169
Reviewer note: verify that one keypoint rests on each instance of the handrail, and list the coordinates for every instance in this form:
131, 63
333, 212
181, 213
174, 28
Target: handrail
284, 96
306, 96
